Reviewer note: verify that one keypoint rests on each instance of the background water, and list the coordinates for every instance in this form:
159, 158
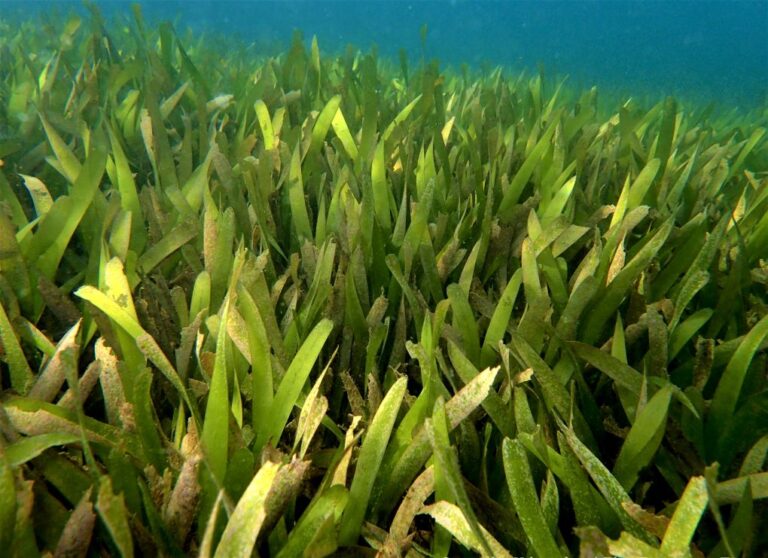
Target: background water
699, 49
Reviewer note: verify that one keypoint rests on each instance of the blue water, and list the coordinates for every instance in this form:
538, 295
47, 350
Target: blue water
699, 49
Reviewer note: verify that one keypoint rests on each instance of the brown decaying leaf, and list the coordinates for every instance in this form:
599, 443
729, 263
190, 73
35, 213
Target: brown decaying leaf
54, 375
78, 531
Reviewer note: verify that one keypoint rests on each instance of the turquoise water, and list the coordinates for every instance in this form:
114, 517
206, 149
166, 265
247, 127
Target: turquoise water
705, 50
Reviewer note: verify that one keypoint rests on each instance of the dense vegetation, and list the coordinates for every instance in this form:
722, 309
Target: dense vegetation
313, 305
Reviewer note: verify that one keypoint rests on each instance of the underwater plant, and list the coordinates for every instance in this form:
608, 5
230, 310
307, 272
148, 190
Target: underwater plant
313, 305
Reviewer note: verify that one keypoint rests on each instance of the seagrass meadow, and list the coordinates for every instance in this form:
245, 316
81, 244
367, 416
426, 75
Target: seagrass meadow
326, 304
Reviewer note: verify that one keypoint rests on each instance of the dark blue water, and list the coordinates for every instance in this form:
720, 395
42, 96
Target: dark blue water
699, 49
